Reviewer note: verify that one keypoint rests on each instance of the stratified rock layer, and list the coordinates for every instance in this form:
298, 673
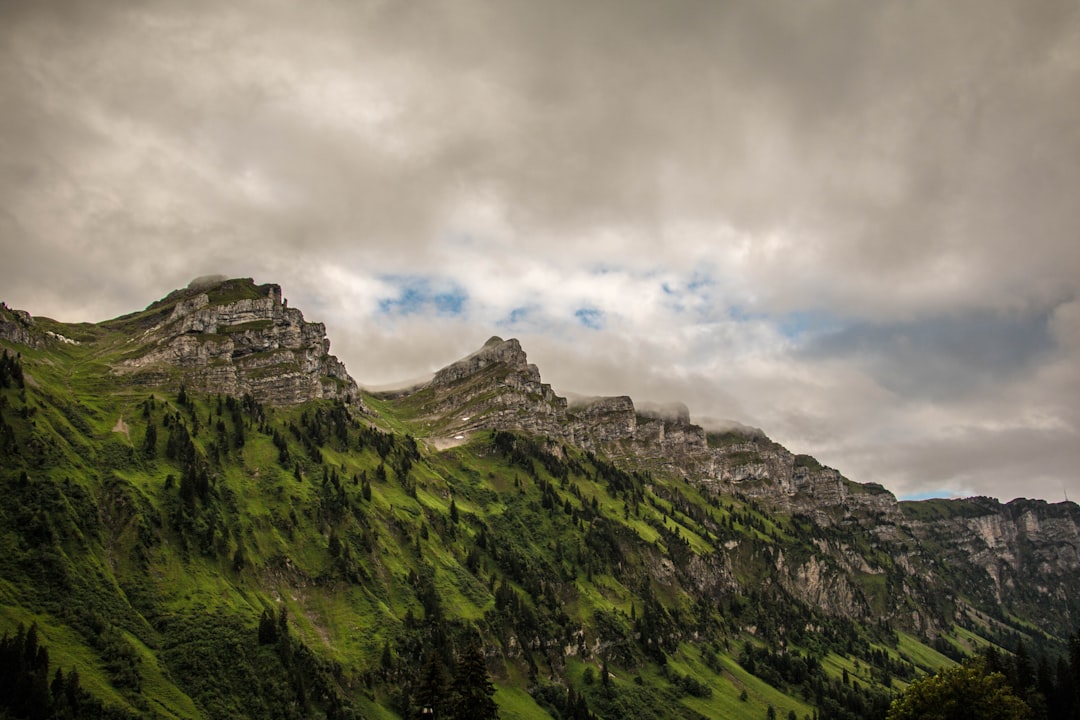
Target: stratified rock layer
235, 338
1025, 551
497, 388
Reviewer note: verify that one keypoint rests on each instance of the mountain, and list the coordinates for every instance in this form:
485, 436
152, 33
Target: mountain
205, 517
1023, 555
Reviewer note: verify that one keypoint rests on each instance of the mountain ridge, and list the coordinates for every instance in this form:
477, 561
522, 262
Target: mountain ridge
988, 533
303, 553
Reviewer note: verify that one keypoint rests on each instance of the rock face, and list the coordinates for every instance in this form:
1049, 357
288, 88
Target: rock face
494, 387
926, 554
234, 337
18, 327
601, 421
497, 388
1020, 549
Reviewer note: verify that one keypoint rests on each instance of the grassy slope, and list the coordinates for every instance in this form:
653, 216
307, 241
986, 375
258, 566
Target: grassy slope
261, 539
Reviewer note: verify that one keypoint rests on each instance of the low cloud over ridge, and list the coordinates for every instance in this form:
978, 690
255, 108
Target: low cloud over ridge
849, 224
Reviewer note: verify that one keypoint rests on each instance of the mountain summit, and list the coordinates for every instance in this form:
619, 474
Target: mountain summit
1026, 550
217, 335
204, 517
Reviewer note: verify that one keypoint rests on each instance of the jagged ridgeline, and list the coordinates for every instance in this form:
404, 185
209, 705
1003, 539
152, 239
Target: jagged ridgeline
204, 516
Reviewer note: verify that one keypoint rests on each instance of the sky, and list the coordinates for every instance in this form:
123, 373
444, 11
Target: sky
854, 225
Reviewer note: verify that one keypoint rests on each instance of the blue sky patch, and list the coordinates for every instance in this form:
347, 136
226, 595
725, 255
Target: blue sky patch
517, 316
929, 495
418, 294
590, 318
799, 323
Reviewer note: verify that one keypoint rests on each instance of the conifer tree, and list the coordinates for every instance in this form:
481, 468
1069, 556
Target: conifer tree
473, 691
433, 691
268, 632
149, 446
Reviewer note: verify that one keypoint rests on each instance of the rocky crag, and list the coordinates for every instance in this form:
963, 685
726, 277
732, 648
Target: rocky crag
233, 337
497, 388
963, 553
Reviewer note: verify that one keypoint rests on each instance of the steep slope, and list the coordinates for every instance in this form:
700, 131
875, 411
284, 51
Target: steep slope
192, 552
230, 337
497, 388
1022, 557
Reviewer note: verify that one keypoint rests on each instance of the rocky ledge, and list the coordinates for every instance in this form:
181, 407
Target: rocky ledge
233, 337
497, 388
18, 327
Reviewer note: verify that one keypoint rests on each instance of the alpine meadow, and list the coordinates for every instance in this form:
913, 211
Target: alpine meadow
204, 516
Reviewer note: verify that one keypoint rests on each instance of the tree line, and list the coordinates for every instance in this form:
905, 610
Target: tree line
30, 689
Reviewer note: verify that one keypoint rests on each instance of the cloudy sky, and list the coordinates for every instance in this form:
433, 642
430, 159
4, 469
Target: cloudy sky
853, 224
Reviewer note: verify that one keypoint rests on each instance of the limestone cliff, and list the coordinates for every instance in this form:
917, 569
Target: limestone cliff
497, 388
1021, 550
18, 327
234, 337
933, 554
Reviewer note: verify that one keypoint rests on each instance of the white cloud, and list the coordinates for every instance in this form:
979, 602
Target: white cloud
852, 225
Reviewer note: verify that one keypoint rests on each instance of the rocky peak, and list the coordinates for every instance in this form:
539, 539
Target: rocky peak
497, 388
496, 352
17, 326
494, 387
235, 337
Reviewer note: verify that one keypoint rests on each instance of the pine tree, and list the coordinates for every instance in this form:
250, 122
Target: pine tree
387, 660
433, 691
149, 446
283, 623
473, 691
1024, 674
268, 632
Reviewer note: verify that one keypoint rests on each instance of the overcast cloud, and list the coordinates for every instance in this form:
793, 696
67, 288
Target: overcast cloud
854, 225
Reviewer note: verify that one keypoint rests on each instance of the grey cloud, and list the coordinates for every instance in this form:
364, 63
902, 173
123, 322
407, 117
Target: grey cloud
907, 167
1004, 463
945, 356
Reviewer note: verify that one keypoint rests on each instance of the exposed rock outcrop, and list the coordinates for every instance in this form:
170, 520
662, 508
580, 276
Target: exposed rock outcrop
1022, 546
497, 388
937, 552
18, 327
603, 420
233, 337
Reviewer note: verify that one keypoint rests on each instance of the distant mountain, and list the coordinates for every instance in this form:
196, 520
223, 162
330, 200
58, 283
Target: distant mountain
1024, 555
205, 516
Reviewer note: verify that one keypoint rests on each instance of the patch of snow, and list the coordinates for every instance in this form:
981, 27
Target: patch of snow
61, 338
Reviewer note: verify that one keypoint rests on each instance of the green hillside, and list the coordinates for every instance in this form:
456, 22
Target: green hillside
191, 555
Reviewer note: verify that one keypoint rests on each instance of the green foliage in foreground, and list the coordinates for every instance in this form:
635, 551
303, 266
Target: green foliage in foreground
963, 692
187, 555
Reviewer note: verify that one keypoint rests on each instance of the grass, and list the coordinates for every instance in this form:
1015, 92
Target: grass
284, 527
727, 688
516, 704
923, 656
